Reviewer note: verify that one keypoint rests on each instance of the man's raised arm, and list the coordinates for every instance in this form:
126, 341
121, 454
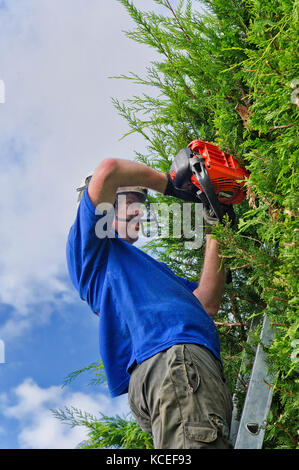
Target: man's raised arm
113, 173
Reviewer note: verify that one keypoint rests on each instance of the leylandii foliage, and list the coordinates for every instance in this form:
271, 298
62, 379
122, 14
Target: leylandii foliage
228, 74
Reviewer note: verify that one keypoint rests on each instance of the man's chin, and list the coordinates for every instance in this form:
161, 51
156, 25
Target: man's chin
131, 240
133, 237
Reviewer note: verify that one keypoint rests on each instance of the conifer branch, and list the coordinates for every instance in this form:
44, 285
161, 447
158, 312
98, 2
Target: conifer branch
170, 7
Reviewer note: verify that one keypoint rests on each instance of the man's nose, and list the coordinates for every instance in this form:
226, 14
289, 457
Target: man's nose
136, 211
139, 212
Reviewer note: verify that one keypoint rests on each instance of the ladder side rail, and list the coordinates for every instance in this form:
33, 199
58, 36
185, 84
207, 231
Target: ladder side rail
235, 422
258, 398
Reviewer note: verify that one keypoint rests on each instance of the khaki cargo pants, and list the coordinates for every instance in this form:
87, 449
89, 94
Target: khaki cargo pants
180, 397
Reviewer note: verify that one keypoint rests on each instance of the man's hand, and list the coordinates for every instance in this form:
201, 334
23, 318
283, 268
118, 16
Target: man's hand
211, 220
171, 190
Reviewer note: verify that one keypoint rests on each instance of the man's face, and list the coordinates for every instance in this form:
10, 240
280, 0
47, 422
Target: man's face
127, 215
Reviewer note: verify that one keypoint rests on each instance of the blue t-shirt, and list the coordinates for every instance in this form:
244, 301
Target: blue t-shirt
143, 306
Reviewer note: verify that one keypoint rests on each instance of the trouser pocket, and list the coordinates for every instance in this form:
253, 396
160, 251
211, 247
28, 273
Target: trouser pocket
211, 434
200, 432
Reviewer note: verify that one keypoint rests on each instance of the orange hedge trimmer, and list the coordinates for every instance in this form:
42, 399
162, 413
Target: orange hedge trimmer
208, 175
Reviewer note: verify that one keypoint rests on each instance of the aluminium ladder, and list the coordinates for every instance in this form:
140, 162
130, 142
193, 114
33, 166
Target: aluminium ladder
249, 432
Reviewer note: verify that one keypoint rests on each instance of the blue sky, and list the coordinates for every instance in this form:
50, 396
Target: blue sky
57, 124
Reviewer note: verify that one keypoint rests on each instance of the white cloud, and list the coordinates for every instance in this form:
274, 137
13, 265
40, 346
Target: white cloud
30, 404
56, 125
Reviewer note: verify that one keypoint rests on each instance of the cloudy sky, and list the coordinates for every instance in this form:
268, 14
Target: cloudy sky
56, 125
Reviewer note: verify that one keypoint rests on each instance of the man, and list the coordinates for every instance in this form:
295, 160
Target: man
158, 341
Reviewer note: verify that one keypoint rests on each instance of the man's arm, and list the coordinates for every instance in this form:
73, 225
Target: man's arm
211, 284
113, 173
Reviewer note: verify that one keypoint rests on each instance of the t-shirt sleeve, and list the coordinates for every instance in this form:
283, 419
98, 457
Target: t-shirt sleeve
189, 284
87, 244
